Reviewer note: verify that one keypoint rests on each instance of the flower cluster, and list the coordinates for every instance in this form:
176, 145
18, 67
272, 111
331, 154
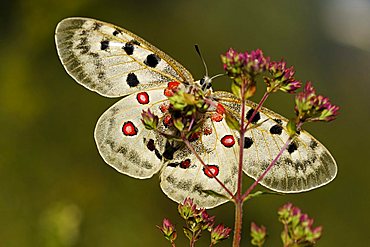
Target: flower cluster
197, 221
282, 78
258, 234
312, 107
243, 68
239, 64
298, 227
219, 233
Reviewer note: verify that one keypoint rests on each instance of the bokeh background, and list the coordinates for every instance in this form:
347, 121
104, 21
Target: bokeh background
56, 191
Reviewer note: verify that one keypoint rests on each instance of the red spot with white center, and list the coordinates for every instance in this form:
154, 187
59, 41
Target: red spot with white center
171, 88
207, 130
228, 141
167, 120
220, 109
142, 98
164, 107
129, 129
185, 164
211, 171
216, 117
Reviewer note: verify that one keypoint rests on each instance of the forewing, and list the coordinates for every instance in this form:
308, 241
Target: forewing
122, 139
305, 165
111, 60
185, 176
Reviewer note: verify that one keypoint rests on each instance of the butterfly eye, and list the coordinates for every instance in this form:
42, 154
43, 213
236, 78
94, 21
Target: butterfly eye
202, 81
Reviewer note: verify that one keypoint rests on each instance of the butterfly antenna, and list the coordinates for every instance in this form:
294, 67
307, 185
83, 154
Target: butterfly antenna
201, 57
218, 75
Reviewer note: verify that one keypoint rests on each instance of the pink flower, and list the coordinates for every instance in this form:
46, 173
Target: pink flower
282, 78
311, 107
219, 233
168, 230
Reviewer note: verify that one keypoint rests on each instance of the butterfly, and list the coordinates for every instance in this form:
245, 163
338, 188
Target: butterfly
114, 62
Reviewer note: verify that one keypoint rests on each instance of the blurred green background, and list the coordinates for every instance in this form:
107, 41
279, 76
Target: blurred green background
55, 190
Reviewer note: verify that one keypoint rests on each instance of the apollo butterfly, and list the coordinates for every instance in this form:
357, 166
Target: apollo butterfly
115, 62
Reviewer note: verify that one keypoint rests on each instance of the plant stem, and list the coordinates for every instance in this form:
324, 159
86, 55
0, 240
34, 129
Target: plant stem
238, 222
241, 141
238, 201
267, 169
192, 242
187, 143
263, 99
173, 244
286, 235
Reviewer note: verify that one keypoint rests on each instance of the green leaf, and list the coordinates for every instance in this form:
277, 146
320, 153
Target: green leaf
260, 193
235, 89
292, 127
178, 124
216, 194
232, 122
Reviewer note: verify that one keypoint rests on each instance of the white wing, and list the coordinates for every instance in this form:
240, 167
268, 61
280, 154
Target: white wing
126, 145
122, 139
179, 183
305, 165
111, 60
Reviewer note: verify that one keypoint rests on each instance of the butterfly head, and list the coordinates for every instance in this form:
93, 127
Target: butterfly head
205, 84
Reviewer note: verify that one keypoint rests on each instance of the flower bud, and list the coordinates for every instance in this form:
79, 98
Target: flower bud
149, 120
168, 230
219, 233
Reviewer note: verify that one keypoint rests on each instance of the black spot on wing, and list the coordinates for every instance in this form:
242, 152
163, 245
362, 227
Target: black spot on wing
152, 60
116, 32
169, 150
104, 45
256, 117
129, 48
276, 129
292, 147
158, 154
150, 145
132, 80
248, 142
173, 164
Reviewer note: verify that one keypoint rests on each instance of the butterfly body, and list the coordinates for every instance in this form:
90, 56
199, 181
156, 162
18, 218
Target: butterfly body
115, 62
